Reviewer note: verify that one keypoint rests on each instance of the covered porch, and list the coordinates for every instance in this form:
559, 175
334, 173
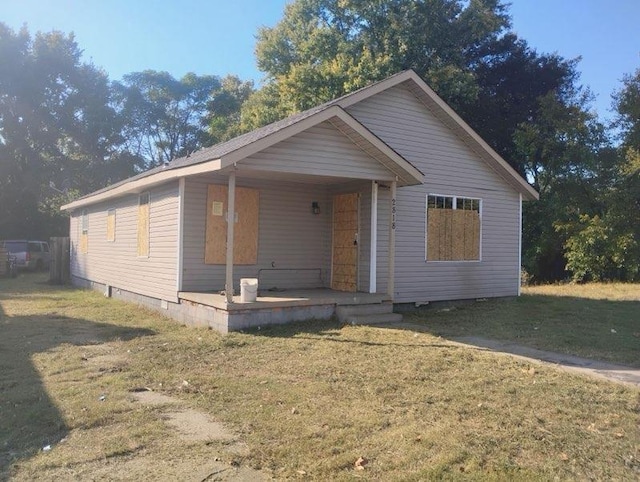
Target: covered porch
310, 206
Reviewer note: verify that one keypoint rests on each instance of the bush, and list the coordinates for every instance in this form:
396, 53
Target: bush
598, 250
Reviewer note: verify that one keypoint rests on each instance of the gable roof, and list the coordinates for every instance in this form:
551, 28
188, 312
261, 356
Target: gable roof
221, 155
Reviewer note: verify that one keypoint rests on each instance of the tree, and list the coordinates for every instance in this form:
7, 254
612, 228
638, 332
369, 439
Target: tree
223, 110
164, 117
322, 49
58, 135
602, 241
627, 105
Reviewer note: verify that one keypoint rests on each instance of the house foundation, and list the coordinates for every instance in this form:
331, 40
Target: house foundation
212, 310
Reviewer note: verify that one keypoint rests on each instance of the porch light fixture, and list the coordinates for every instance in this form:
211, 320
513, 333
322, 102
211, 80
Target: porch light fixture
315, 207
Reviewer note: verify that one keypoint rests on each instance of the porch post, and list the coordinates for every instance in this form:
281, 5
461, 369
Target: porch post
231, 219
373, 260
392, 241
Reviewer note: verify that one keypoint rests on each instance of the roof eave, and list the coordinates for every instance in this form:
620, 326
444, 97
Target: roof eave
145, 183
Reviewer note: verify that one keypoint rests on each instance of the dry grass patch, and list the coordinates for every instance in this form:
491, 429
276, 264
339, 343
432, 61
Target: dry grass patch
308, 400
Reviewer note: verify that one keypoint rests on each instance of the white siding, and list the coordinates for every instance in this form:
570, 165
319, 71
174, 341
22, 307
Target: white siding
117, 263
294, 245
452, 168
321, 150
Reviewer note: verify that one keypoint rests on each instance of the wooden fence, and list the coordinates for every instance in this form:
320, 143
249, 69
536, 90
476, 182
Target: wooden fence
4, 262
59, 270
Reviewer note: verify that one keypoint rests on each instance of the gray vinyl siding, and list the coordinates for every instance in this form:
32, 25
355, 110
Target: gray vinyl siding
451, 168
294, 245
117, 263
320, 150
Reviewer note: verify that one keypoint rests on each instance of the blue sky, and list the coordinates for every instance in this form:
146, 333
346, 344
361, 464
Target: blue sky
218, 36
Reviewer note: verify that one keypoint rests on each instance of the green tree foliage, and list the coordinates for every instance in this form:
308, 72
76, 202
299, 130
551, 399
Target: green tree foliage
603, 242
627, 105
322, 49
57, 131
164, 117
223, 110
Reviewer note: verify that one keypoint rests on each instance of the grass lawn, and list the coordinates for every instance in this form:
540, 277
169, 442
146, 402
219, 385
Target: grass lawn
307, 399
597, 320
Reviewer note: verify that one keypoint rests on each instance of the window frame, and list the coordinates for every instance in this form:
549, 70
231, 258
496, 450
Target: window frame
454, 199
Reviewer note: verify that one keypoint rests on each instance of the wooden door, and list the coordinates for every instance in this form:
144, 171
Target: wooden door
344, 269
245, 235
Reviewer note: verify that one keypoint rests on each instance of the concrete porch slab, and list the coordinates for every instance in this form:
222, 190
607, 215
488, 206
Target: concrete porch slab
284, 299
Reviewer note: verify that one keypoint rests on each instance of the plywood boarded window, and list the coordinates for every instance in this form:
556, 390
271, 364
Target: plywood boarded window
245, 231
84, 233
111, 225
143, 224
453, 228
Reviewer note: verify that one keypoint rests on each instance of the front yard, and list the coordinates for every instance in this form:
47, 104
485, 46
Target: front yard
308, 400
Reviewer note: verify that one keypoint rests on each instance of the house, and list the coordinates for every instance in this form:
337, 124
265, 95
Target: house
382, 196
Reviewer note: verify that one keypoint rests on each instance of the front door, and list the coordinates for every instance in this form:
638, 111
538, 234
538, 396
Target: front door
344, 269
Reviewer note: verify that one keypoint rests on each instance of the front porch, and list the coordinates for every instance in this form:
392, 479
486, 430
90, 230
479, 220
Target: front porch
213, 310
284, 299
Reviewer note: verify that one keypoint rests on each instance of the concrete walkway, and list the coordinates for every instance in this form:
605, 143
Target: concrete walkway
603, 370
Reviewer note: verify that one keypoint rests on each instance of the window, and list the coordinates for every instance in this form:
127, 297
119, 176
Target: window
84, 233
111, 225
143, 224
453, 228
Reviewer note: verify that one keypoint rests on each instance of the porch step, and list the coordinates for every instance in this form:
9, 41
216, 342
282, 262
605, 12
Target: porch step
374, 319
372, 313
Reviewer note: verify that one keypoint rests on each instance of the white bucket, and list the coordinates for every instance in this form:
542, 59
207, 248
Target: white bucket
248, 290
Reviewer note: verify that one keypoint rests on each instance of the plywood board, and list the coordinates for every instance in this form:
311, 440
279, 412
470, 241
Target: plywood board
344, 272
84, 243
453, 235
143, 229
111, 225
245, 234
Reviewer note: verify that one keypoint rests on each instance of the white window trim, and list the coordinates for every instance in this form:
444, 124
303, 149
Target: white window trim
426, 227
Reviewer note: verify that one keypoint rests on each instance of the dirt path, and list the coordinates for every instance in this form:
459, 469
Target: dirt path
190, 426
182, 443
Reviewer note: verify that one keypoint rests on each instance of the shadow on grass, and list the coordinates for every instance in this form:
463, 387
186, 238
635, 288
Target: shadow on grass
29, 419
330, 331
602, 330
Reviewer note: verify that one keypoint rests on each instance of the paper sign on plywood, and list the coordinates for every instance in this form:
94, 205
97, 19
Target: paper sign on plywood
217, 208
